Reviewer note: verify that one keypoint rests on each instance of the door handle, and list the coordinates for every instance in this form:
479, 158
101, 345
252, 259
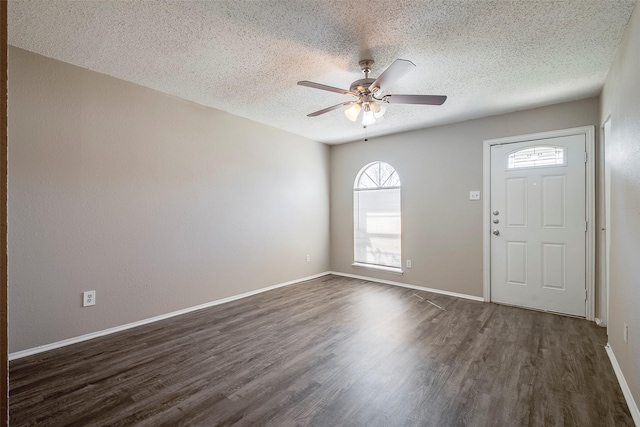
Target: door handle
496, 232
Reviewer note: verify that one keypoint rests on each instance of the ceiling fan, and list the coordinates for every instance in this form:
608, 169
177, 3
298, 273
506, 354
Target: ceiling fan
369, 93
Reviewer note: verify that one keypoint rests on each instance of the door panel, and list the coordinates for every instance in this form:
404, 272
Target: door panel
553, 201
553, 266
516, 202
517, 263
538, 210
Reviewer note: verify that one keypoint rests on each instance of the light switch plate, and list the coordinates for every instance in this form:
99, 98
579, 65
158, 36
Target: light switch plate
474, 195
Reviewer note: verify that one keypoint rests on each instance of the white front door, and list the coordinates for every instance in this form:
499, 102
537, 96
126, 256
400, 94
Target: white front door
538, 211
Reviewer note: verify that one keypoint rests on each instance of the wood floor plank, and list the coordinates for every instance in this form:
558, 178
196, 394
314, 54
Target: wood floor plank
330, 352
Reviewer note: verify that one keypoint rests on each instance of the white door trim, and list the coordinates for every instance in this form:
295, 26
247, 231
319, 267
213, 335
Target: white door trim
589, 133
605, 204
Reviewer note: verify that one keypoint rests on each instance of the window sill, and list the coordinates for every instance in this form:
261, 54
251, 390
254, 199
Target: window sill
392, 270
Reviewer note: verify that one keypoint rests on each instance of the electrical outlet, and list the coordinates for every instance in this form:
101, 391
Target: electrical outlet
308, 257
626, 333
88, 298
474, 195
408, 263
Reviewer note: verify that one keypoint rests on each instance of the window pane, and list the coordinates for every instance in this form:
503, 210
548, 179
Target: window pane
394, 180
385, 173
377, 227
377, 175
367, 182
536, 156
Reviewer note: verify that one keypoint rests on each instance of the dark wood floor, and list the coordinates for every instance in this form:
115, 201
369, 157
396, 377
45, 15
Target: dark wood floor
330, 352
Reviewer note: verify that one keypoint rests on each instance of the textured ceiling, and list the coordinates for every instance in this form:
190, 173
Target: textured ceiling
245, 57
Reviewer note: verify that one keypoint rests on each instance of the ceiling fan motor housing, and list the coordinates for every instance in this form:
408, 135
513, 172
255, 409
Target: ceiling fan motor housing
361, 86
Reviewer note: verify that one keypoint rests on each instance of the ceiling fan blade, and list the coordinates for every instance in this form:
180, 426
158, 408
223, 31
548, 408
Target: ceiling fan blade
415, 99
325, 87
333, 107
399, 68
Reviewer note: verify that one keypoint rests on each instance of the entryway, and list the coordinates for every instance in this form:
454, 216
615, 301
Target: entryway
538, 213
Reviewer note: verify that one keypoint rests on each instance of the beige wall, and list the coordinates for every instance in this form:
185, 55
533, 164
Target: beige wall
157, 203
621, 101
441, 227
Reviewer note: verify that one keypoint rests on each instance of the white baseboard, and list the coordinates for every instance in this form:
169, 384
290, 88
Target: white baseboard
74, 340
631, 403
405, 285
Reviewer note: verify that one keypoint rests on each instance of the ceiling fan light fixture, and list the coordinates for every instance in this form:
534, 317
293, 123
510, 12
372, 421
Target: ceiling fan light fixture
368, 119
353, 112
381, 110
367, 116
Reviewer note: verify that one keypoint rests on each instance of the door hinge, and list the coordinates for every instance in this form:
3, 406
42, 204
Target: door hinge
586, 224
586, 157
585, 294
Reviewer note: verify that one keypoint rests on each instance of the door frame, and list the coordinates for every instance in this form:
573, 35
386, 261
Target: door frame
605, 219
589, 133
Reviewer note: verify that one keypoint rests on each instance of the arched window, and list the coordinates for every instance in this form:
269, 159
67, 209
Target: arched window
376, 217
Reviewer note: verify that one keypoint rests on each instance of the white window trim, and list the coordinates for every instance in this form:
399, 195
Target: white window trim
393, 270
357, 189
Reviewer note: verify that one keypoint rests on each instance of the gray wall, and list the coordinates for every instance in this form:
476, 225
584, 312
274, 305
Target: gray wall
621, 101
441, 228
157, 203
